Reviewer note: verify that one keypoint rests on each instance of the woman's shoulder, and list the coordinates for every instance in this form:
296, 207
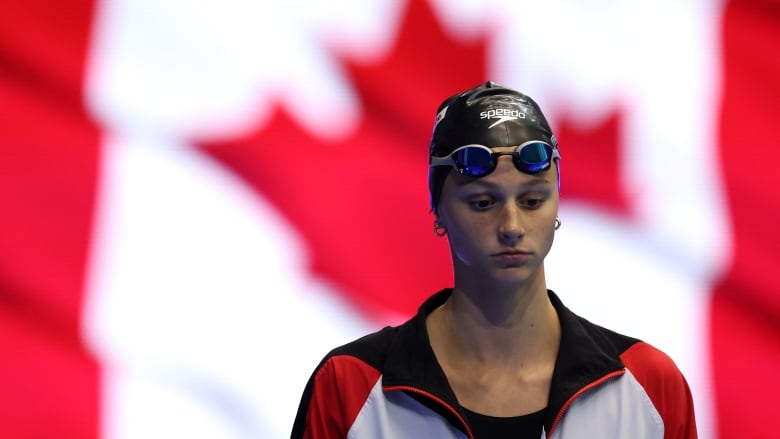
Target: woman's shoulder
642, 359
371, 349
368, 346
650, 364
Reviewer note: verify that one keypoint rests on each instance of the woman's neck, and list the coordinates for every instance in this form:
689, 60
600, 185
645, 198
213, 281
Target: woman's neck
496, 325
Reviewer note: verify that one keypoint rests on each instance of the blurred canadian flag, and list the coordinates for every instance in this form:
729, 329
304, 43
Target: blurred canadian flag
199, 199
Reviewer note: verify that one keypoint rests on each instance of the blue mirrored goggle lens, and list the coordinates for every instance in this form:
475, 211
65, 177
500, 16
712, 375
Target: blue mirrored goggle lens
475, 161
534, 157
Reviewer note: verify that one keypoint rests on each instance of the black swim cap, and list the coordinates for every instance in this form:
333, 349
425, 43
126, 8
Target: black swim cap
489, 115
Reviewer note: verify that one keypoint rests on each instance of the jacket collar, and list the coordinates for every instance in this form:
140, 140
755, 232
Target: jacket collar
587, 352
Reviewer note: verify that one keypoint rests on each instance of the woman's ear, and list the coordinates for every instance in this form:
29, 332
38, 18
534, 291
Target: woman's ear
439, 229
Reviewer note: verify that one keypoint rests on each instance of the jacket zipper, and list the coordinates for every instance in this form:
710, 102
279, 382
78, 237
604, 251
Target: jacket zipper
579, 393
437, 400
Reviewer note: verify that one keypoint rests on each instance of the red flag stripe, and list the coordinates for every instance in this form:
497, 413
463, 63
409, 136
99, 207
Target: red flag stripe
48, 170
745, 328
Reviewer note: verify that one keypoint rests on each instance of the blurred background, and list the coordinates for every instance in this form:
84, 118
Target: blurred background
199, 199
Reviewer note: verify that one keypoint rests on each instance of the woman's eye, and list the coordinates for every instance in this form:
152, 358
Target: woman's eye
481, 203
532, 203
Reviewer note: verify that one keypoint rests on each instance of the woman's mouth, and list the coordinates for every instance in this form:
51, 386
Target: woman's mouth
512, 256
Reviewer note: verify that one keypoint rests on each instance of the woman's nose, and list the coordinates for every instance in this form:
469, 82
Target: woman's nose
510, 228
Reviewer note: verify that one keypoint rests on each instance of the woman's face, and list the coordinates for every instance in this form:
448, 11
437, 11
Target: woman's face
500, 226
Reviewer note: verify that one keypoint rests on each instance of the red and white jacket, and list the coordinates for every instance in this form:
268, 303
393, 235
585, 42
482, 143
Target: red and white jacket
389, 385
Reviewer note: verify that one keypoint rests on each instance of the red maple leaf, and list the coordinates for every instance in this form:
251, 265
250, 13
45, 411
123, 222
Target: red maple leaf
361, 201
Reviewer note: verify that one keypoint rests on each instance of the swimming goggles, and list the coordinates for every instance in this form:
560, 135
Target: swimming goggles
531, 157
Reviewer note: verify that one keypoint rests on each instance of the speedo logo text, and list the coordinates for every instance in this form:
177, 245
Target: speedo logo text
502, 114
